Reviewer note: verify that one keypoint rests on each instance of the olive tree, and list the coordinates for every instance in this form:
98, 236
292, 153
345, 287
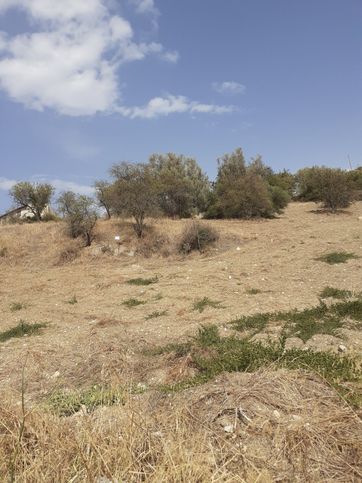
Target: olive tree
135, 193
80, 215
330, 186
105, 196
183, 188
243, 190
34, 196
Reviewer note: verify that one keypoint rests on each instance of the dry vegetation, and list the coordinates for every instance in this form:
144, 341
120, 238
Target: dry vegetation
117, 388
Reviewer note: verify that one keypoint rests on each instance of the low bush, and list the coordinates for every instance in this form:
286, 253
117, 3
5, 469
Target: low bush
332, 187
20, 330
153, 243
69, 253
15, 306
336, 257
196, 236
132, 302
67, 403
50, 216
212, 354
201, 304
142, 281
73, 300
322, 319
335, 293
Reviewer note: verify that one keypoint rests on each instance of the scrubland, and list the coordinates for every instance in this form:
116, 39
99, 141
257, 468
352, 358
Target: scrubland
130, 361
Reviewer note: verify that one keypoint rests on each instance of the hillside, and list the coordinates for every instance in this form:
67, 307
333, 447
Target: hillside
117, 384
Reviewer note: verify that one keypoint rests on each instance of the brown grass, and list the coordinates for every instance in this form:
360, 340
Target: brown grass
285, 427
99, 340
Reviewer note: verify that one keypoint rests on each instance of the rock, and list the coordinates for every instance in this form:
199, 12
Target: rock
238, 249
342, 348
229, 428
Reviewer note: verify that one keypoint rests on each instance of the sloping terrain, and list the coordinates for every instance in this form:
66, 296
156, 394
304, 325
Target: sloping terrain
117, 386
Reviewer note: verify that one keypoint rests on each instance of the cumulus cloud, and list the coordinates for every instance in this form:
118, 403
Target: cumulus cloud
145, 6
70, 60
70, 63
58, 11
59, 184
229, 87
163, 106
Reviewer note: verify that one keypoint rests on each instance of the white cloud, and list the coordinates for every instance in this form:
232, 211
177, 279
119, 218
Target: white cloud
57, 11
59, 184
229, 87
172, 57
145, 6
70, 64
3, 41
70, 60
163, 106
6, 184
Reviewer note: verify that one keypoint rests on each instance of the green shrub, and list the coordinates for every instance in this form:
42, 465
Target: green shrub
16, 306
280, 198
142, 281
212, 355
130, 303
336, 257
20, 330
244, 191
332, 187
67, 403
252, 291
335, 293
201, 304
305, 323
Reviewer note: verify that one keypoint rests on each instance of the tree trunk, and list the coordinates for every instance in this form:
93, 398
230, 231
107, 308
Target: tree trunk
88, 239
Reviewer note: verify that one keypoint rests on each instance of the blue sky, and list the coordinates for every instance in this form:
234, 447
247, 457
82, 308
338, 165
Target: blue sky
87, 83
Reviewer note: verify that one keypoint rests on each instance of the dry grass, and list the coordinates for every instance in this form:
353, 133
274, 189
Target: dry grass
98, 340
282, 426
